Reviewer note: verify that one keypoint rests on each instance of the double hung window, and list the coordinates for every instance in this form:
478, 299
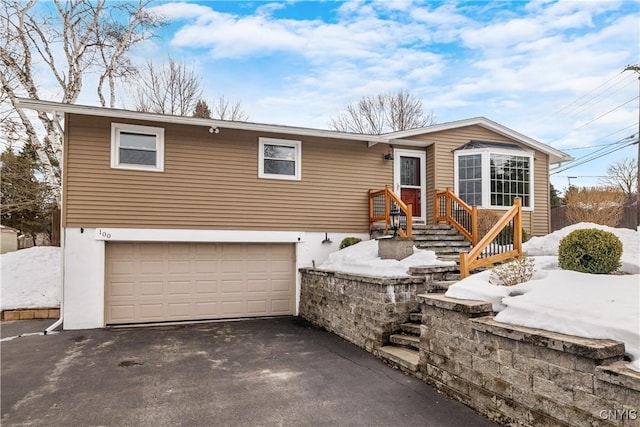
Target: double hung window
279, 159
137, 147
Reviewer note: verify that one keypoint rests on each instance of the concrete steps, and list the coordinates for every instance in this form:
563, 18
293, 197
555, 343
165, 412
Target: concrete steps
407, 341
403, 347
401, 356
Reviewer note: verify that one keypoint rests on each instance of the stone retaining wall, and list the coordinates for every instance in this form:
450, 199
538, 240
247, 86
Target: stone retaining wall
523, 376
361, 309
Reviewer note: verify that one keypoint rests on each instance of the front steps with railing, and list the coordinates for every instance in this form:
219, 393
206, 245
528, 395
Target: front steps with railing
444, 240
402, 350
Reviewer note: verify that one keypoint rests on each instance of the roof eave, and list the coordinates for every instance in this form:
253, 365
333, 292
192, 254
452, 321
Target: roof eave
56, 107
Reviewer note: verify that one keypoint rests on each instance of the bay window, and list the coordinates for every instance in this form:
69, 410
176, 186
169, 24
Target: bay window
492, 177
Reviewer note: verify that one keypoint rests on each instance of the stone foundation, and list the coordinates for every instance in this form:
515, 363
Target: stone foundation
523, 376
363, 310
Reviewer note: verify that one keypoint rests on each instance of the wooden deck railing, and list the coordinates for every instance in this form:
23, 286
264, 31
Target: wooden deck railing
502, 242
453, 210
380, 205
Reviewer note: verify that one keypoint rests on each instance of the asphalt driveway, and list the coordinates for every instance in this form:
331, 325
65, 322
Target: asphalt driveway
266, 372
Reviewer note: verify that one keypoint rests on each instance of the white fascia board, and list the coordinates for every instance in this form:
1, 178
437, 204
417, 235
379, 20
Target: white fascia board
49, 106
555, 156
178, 235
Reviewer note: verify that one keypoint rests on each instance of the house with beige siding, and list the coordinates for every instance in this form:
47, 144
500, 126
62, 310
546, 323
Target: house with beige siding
168, 218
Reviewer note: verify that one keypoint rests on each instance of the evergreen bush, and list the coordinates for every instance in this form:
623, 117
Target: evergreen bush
348, 241
590, 251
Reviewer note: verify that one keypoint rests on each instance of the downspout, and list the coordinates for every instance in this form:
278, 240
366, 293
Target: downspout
58, 322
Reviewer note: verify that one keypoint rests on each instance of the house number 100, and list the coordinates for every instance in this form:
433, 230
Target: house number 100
104, 234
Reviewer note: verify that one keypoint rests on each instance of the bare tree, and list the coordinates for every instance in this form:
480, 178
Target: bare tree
116, 38
623, 174
86, 33
224, 109
387, 112
170, 88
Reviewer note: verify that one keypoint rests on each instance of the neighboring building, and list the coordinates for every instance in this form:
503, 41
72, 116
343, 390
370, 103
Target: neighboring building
169, 218
8, 239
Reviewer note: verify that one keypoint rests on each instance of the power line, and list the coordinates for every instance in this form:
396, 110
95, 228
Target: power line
597, 118
605, 136
603, 148
618, 74
587, 103
571, 166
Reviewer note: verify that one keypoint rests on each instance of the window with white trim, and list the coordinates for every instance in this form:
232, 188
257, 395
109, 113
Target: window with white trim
493, 177
279, 159
137, 147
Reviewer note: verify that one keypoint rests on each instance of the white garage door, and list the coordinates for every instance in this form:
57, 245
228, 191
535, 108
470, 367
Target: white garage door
154, 282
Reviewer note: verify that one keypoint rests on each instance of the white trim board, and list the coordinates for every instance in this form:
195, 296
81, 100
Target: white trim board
178, 235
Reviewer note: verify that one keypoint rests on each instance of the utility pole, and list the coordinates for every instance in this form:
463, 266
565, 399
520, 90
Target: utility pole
636, 69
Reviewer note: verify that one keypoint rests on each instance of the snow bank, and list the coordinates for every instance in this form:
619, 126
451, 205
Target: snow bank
569, 302
31, 278
548, 245
362, 258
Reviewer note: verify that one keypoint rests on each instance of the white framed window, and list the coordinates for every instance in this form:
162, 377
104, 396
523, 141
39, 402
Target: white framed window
137, 147
279, 159
492, 177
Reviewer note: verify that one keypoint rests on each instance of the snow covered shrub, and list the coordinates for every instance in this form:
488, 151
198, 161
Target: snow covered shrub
348, 241
590, 250
513, 272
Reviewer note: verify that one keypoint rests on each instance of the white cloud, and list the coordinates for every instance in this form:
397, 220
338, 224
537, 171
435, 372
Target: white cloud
515, 63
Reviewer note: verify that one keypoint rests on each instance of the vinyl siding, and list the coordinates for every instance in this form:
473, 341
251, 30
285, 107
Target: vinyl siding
440, 166
210, 181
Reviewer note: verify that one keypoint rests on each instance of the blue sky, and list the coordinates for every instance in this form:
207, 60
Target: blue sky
551, 70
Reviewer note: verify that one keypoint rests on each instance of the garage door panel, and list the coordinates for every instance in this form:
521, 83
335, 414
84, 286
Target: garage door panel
150, 289
150, 311
178, 267
151, 251
257, 308
179, 251
178, 288
151, 267
257, 266
122, 313
123, 289
207, 266
232, 266
261, 285
233, 308
150, 282
205, 287
281, 285
179, 309
281, 306
210, 250
206, 309
122, 267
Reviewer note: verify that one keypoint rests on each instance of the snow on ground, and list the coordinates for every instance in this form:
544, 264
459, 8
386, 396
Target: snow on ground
569, 302
362, 258
548, 245
31, 278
